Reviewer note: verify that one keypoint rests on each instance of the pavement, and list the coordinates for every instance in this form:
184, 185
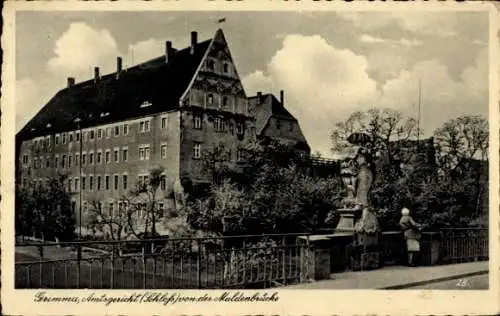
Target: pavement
398, 277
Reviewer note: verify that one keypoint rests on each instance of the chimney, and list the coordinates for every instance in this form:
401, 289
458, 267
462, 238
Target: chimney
119, 67
71, 82
282, 97
96, 74
194, 40
168, 51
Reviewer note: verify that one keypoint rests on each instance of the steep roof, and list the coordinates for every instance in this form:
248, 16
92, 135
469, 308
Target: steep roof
266, 106
111, 98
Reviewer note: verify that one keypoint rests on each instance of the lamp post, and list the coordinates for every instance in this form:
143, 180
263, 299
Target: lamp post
78, 122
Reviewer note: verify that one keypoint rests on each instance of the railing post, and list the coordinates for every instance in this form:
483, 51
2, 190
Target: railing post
40, 265
198, 264
143, 266
78, 262
112, 264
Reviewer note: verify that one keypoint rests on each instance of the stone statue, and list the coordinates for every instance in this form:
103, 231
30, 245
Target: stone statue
368, 222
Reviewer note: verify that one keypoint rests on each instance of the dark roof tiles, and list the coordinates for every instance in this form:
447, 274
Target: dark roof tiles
155, 81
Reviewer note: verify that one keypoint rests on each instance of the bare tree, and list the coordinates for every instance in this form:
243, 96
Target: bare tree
382, 125
145, 197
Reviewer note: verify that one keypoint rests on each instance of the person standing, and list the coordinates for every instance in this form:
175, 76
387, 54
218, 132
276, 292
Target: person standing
411, 231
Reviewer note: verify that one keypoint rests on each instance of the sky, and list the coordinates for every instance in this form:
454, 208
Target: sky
329, 64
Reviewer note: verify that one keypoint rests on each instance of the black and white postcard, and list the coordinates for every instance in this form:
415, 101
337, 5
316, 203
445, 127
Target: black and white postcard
265, 158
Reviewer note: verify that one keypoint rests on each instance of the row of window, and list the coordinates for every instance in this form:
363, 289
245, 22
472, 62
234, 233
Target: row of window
91, 158
116, 209
99, 133
213, 63
99, 182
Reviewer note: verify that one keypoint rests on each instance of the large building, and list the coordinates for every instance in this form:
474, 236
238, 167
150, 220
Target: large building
107, 133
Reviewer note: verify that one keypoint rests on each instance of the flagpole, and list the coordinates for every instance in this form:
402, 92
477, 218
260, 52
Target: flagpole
419, 105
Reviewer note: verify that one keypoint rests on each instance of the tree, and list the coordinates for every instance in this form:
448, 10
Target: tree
460, 140
145, 197
383, 127
462, 148
45, 210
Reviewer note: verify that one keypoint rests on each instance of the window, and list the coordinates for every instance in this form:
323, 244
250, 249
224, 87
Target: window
116, 182
111, 209
225, 102
84, 160
99, 157
108, 132
163, 184
197, 150
197, 121
117, 131
278, 124
210, 99
25, 159
143, 180
108, 156
83, 182
47, 162
77, 184
77, 159
163, 122
63, 161
125, 129
107, 182
77, 136
239, 154
240, 128
70, 136
163, 151
92, 133
57, 139
70, 185
125, 154
225, 68
99, 182
91, 182
210, 65
124, 181
70, 161
116, 154
99, 207
99, 133
91, 158
63, 138
144, 126
85, 136
144, 152
84, 206
220, 124
56, 162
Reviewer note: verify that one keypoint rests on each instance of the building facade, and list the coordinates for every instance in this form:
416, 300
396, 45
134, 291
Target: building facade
107, 133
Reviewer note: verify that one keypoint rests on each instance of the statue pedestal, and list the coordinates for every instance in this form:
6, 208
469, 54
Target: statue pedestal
347, 220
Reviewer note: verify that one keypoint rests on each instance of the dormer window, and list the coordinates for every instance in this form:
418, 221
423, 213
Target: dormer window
146, 104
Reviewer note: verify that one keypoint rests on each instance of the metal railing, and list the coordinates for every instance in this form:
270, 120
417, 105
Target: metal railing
468, 244
184, 263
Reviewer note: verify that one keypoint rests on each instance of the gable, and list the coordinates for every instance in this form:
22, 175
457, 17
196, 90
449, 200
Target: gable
216, 83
